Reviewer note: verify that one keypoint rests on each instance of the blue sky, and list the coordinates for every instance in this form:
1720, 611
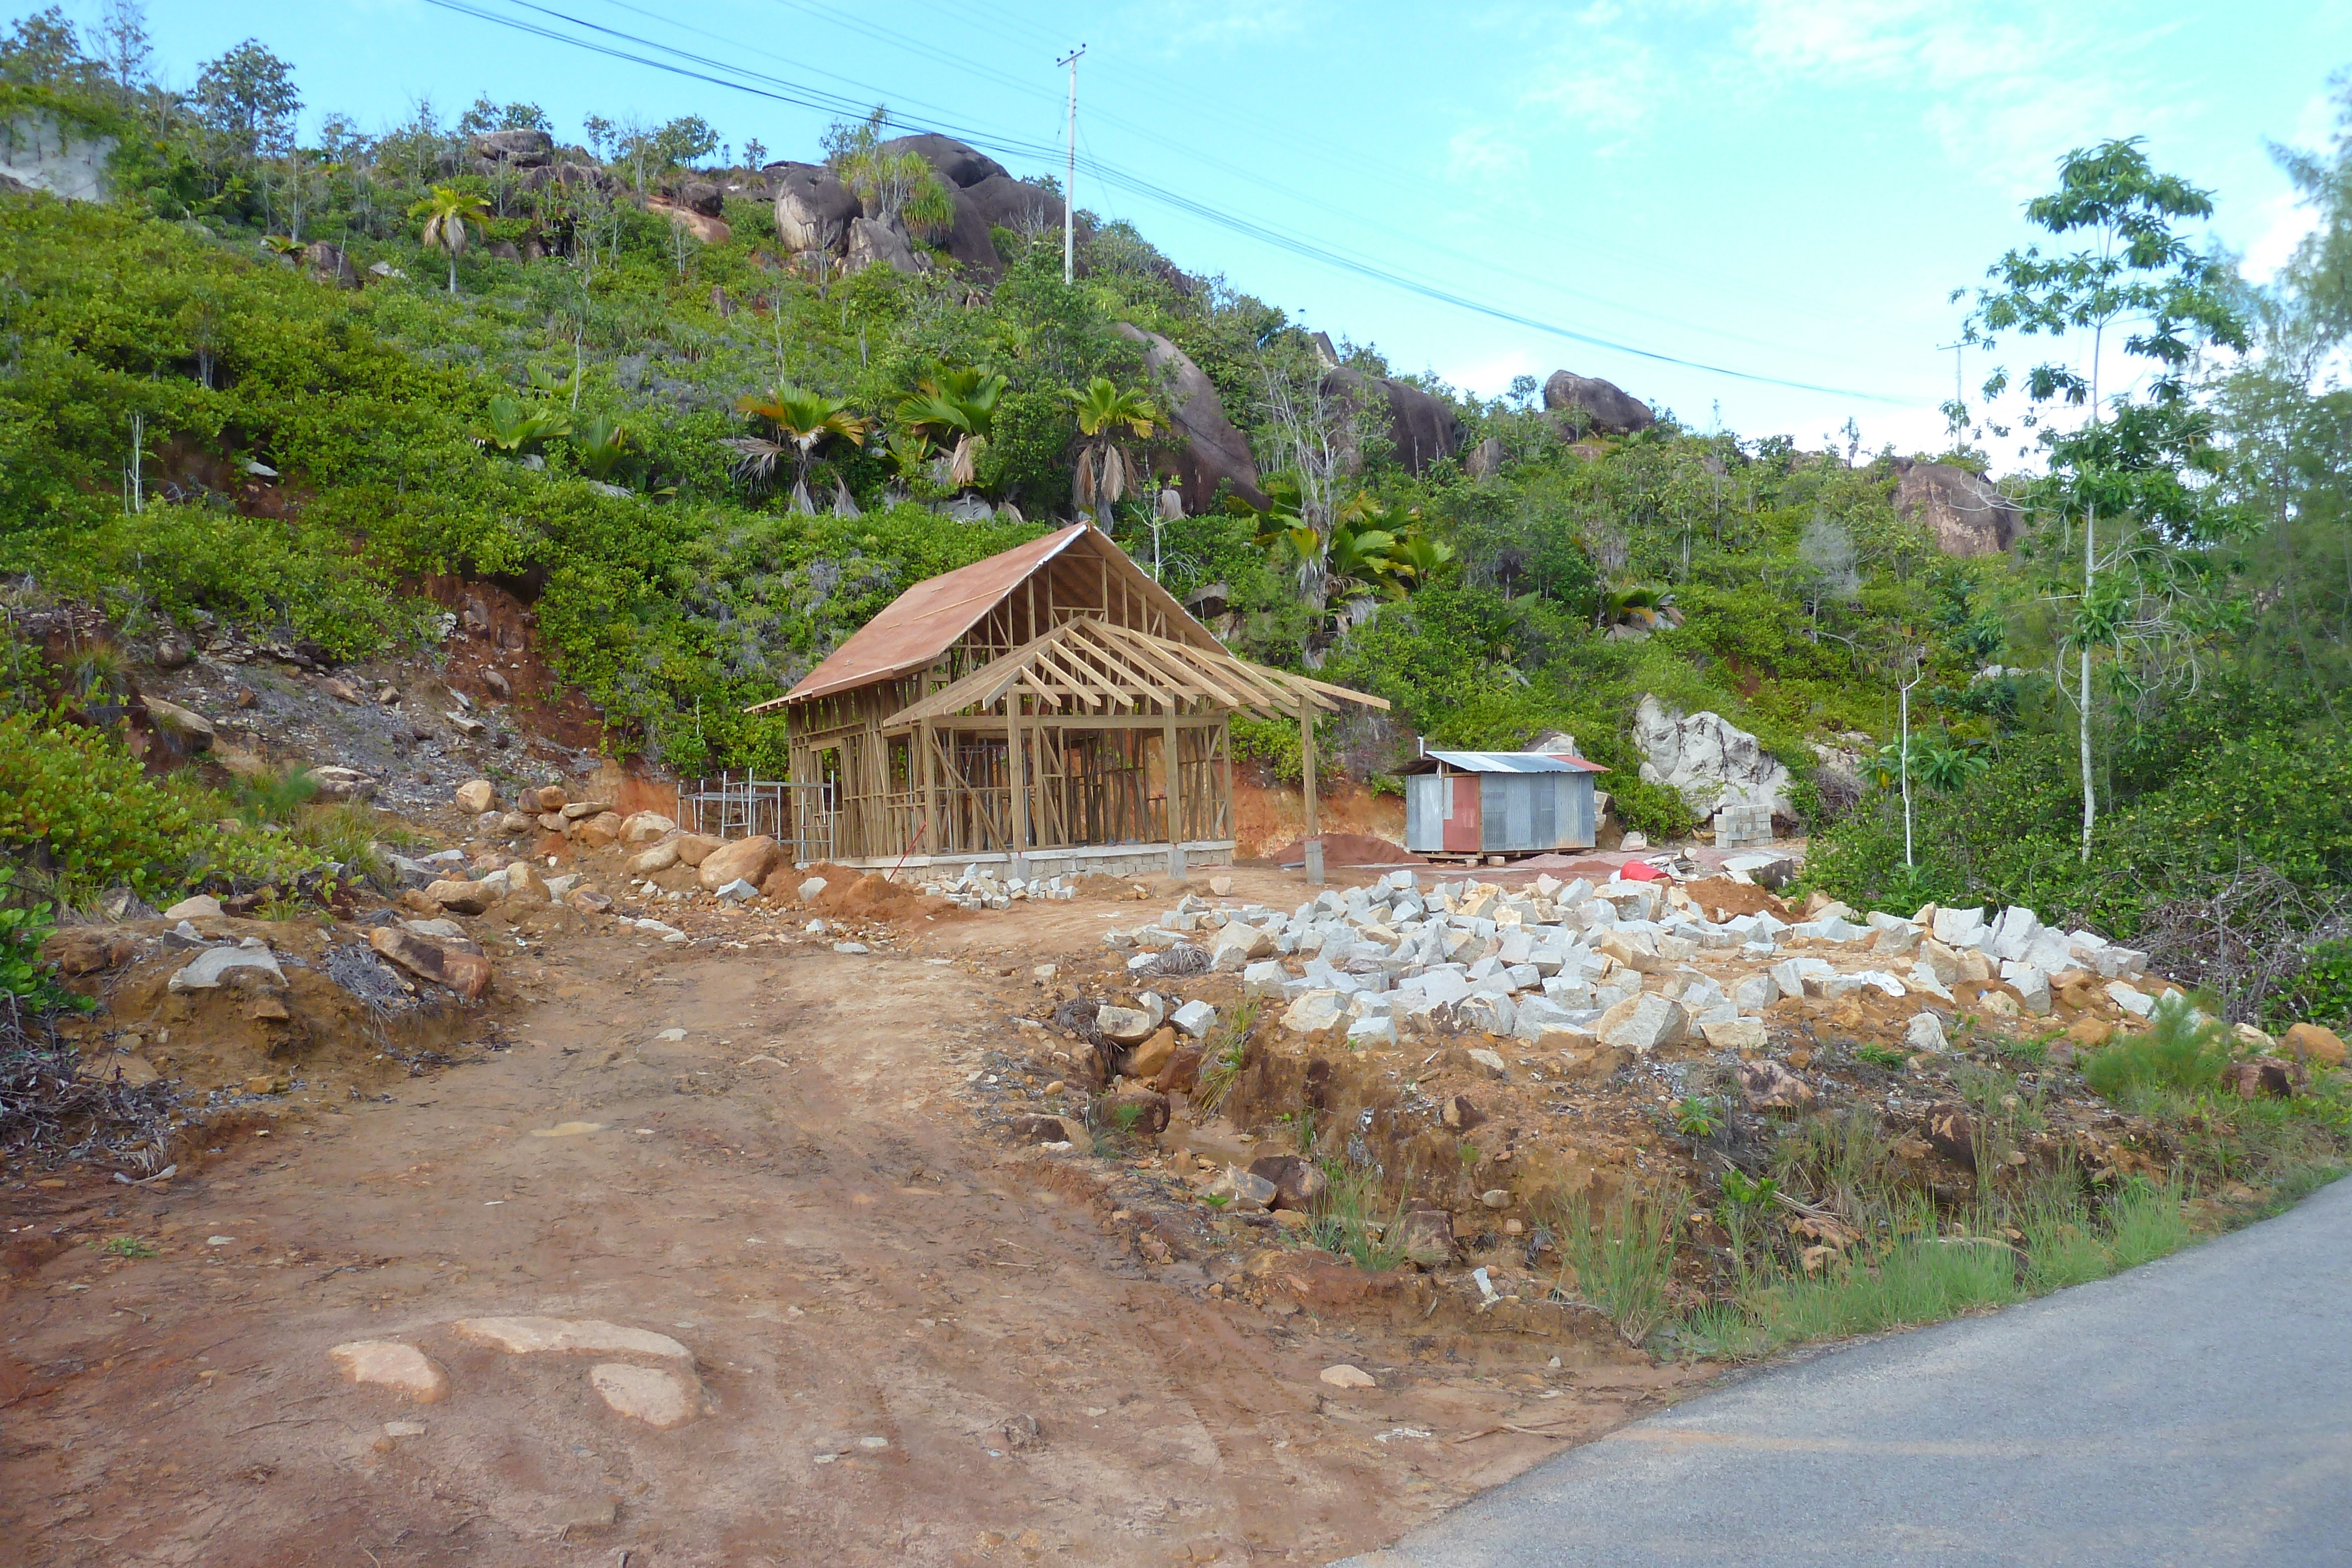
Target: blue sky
1784, 188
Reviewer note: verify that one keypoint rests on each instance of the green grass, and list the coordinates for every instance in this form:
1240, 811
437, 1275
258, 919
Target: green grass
1623, 1257
1228, 1049
126, 1247
2178, 1054
1928, 1268
1349, 1219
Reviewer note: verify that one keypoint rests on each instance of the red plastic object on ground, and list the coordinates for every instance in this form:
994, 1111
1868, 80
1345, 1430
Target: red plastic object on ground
1640, 871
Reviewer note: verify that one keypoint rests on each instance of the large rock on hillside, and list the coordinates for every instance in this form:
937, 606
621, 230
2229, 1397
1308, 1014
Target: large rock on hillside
956, 163
1214, 450
515, 149
1611, 409
970, 242
1014, 204
1708, 760
870, 243
814, 210
1964, 510
1423, 428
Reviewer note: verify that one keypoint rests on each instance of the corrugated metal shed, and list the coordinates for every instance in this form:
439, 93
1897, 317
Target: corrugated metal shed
1500, 762
1499, 802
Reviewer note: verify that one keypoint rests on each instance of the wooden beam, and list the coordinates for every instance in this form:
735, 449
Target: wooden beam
1016, 779
1172, 761
1314, 834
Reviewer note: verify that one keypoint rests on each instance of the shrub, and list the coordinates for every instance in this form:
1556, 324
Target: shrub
74, 803
2182, 1053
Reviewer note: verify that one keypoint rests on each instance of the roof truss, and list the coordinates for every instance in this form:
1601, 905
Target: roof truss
1087, 664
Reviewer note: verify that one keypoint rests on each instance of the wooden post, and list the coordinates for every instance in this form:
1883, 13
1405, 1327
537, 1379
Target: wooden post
1016, 779
1171, 757
1314, 834
929, 827
1228, 828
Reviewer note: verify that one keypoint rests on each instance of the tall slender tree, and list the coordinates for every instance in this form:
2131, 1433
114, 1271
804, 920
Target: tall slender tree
2135, 274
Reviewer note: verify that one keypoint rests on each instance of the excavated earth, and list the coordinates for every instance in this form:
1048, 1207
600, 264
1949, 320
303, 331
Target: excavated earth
900, 1334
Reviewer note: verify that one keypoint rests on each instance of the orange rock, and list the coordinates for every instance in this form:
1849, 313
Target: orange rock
467, 974
2315, 1044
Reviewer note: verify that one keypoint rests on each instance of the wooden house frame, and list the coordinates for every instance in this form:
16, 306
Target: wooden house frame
1027, 710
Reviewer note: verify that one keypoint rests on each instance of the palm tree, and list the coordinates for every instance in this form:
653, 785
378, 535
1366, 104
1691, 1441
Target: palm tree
1417, 556
958, 405
448, 213
604, 443
1106, 417
514, 427
1640, 607
801, 421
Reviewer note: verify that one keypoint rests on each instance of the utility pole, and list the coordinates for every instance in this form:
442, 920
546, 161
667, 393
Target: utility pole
1069, 234
1958, 399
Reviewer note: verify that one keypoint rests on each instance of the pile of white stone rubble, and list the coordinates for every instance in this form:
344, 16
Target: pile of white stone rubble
978, 889
1630, 964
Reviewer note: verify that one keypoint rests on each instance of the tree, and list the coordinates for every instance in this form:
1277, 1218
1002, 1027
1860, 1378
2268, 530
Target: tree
955, 406
896, 188
1107, 418
247, 97
683, 142
515, 427
2139, 275
448, 214
43, 52
123, 45
802, 421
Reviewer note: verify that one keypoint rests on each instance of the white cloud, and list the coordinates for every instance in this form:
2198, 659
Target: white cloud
2285, 220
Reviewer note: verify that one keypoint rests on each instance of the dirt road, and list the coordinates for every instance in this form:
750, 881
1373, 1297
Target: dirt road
913, 1345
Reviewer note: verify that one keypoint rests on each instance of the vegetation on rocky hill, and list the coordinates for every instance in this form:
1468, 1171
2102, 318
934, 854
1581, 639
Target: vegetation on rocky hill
596, 389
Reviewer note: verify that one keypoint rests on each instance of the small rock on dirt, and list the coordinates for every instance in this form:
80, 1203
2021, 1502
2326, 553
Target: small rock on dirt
464, 898
1490, 1062
811, 888
403, 1368
2313, 1043
1734, 1034
1769, 1086
1298, 1183
693, 849
1926, 1032
660, 857
1346, 1376
568, 1336
1459, 1114
2263, 1078
204, 972
1125, 1026
476, 795
1424, 1236
1195, 1019
1241, 1192
1151, 1057
467, 974
662, 1400
1054, 1130
1314, 1010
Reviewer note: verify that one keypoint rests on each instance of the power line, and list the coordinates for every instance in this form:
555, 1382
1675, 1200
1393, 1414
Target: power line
700, 67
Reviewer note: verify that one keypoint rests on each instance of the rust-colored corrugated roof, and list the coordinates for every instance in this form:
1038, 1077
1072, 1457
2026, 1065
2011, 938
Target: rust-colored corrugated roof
924, 622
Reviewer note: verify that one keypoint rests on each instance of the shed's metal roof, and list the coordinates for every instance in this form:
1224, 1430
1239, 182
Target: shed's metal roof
1501, 762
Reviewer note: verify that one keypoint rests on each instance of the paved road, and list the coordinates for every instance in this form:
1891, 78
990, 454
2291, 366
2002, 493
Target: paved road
2196, 1411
